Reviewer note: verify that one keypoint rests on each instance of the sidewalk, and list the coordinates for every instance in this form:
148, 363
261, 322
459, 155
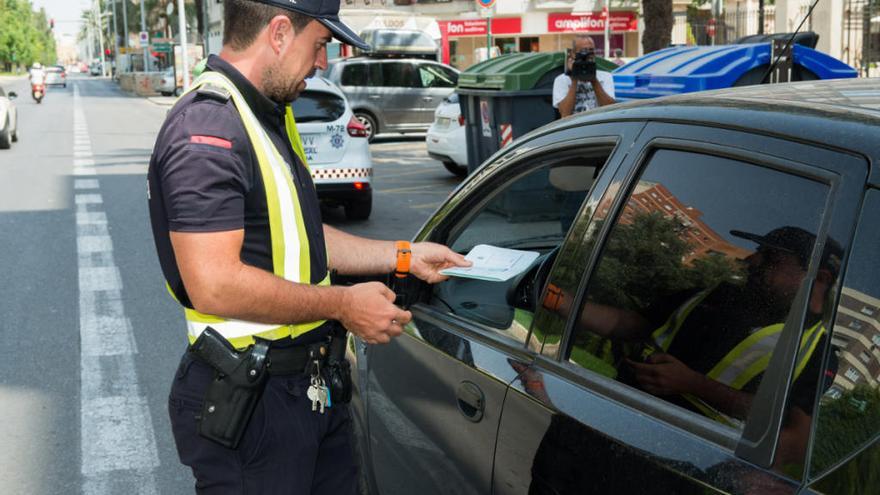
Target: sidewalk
9, 79
164, 101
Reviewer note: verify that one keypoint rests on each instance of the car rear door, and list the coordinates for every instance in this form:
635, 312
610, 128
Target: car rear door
578, 420
435, 393
437, 83
401, 93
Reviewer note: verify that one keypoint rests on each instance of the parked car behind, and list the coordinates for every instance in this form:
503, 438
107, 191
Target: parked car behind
165, 83
446, 139
8, 119
588, 372
336, 148
393, 94
56, 75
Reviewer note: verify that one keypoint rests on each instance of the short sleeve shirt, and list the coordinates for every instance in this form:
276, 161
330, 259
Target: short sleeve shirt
585, 97
204, 177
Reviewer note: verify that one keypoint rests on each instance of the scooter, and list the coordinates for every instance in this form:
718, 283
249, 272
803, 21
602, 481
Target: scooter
38, 90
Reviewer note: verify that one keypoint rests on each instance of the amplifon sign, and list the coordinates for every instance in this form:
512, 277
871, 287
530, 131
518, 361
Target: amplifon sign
593, 22
478, 27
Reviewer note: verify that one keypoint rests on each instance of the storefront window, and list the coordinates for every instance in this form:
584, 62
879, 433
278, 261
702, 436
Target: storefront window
528, 45
506, 45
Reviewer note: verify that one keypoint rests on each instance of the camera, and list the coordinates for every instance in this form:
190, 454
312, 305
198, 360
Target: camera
583, 68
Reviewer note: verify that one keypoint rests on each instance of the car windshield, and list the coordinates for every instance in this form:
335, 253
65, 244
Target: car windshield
318, 106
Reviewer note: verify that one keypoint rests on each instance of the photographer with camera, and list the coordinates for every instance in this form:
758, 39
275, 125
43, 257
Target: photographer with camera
581, 87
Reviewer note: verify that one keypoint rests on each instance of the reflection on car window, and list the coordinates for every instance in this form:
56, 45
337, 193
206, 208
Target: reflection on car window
849, 411
354, 75
433, 77
696, 280
532, 213
398, 74
317, 106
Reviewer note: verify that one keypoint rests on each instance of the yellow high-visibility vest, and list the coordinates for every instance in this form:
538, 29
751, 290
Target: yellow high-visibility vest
744, 362
290, 243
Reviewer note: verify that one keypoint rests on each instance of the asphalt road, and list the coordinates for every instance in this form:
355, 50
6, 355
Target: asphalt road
90, 337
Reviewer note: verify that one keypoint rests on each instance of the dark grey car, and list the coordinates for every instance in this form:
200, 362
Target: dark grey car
393, 94
515, 388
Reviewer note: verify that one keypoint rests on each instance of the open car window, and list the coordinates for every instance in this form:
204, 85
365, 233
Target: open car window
532, 212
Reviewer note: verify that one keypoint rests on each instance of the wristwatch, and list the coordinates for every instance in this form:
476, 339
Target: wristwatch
404, 258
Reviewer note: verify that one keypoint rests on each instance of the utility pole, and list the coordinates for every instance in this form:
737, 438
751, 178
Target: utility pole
181, 21
125, 26
115, 38
96, 8
607, 52
147, 46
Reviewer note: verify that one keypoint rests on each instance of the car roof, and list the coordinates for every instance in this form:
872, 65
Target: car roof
322, 84
363, 58
842, 113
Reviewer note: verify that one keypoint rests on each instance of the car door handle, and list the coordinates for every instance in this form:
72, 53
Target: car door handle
471, 401
427, 98
375, 97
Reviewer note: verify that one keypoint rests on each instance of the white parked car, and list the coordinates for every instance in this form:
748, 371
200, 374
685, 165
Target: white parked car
446, 140
165, 83
8, 120
336, 148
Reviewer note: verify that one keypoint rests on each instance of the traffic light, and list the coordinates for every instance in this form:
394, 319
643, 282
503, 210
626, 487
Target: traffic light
51, 23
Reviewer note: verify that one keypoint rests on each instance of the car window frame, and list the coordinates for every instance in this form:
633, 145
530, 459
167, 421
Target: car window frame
747, 446
509, 168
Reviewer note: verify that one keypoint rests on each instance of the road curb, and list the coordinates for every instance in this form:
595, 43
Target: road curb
162, 101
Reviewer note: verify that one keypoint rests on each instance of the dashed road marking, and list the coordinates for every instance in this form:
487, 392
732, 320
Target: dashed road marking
118, 444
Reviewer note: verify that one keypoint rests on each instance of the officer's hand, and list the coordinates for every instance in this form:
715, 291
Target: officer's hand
663, 374
369, 312
429, 258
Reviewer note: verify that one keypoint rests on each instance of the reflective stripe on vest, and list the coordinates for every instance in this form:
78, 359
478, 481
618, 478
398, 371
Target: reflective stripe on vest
744, 362
290, 243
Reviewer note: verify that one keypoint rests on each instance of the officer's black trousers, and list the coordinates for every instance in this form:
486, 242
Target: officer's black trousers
287, 448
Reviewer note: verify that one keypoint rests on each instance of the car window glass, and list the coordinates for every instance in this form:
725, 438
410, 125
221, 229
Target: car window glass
318, 106
433, 77
849, 411
398, 74
354, 75
531, 213
696, 279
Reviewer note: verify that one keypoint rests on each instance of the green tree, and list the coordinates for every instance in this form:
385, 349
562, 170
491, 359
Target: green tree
25, 36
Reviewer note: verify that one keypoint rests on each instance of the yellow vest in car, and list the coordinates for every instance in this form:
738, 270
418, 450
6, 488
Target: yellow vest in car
290, 244
744, 362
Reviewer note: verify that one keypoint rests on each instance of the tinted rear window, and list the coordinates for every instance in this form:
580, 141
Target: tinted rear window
317, 106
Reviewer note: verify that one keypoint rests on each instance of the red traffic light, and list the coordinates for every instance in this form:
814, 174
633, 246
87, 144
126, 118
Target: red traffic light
107, 52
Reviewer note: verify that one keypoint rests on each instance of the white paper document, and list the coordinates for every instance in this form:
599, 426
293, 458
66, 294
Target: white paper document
494, 263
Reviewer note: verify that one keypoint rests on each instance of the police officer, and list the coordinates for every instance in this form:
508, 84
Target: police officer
241, 244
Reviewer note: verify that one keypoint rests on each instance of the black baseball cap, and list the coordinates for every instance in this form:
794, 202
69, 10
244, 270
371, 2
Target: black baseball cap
327, 13
799, 242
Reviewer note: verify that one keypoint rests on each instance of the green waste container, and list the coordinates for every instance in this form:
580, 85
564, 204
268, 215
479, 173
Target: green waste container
501, 99
505, 97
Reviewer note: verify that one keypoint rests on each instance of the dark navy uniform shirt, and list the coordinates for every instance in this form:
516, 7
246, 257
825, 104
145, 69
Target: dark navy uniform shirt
204, 177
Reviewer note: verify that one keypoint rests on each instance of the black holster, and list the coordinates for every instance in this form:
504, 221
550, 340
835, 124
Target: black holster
339, 369
232, 396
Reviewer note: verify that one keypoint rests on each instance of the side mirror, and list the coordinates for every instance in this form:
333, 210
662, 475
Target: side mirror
12, 95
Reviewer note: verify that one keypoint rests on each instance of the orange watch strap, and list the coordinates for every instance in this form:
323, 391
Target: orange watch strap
404, 258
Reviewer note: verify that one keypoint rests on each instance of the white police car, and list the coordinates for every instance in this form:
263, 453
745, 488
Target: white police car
336, 148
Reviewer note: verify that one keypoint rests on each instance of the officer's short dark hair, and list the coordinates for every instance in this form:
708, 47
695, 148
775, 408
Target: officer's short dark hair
244, 19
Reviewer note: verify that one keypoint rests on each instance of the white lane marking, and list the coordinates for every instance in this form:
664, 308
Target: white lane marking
88, 199
85, 184
118, 444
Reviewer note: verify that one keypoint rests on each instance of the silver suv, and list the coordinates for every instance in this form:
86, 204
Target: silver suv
394, 94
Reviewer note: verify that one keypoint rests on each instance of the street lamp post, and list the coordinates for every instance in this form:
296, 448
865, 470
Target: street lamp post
96, 7
181, 16
115, 37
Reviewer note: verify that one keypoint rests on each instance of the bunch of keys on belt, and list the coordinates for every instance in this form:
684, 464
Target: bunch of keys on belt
318, 392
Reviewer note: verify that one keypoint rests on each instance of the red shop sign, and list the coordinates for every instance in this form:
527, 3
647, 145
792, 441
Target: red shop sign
477, 27
593, 22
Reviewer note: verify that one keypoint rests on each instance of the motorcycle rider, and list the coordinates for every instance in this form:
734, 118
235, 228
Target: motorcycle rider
37, 74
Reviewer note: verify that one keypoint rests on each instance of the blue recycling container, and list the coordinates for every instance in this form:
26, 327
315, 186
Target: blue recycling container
677, 70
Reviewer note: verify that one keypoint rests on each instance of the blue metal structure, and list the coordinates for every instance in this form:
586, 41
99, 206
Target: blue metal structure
679, 70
